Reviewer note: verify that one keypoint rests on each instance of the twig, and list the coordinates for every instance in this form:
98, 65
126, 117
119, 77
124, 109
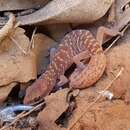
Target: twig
17, 24
24, 52
98, 97
32, 38
23, 114
35, 108
117, 38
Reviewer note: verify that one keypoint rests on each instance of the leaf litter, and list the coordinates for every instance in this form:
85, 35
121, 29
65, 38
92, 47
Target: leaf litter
21, 64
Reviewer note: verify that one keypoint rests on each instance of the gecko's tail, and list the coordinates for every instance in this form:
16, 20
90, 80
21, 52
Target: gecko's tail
90, 74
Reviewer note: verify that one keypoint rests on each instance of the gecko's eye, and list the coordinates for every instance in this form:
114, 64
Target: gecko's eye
125, 7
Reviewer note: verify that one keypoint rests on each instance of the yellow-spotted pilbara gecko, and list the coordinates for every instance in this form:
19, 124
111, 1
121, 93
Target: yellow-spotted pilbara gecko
91, 73
75, 46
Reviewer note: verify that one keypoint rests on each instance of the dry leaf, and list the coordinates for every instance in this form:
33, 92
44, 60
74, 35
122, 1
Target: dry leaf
56, 104
105, 116
99, 116
68, 11
58, 31
122, 13
118, 57
18, 5
115, 59
5, 90
14, 65
113, 116
83, 100
42, 45
120, 4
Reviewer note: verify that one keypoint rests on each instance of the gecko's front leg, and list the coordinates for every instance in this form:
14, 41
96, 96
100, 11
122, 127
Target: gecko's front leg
102, 32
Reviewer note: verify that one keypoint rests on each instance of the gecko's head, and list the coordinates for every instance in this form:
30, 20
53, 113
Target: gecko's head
35, 92
32, 95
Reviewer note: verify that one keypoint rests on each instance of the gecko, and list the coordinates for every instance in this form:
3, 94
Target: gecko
78, 77
44, 85
74, 47
86, 77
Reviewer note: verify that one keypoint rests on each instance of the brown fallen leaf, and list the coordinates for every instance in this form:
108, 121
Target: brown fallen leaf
15, 64
42, 45
5, 90
106, 116
85, 99
122, 13
58, 31
8, 27
122, 19
56, 104
120, 8
118, 57
6, 5
64, 11
112, 13
93, 119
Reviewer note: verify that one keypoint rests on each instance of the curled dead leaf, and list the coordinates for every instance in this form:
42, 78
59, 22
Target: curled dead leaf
5, 90
55, 105
118, 57
13, 59
18, 5
42, 45
68, 11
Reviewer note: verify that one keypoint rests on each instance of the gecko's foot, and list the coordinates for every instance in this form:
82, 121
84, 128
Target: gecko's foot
81, 66
63, 81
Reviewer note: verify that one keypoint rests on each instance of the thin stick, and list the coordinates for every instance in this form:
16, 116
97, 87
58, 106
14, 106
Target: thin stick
17, 24
18, 117
32, 38
98, 97
35, 108
18, 45
117, 38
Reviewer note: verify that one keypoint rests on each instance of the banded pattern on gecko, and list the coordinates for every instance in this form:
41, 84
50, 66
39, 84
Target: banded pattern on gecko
90, 74
78, 44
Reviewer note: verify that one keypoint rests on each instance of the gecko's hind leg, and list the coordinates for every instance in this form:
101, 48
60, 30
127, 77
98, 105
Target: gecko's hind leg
63, 80
85, 55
